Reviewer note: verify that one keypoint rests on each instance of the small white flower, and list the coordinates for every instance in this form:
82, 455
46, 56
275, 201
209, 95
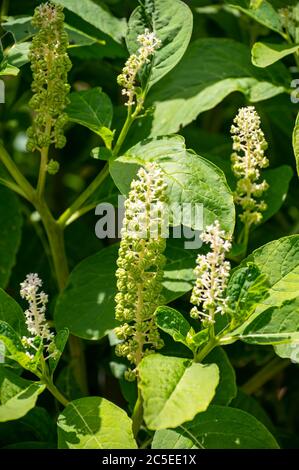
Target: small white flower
249, 145
35, 314
148, 44
212, 272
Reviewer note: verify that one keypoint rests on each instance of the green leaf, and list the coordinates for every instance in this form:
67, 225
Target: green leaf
18, 54
174, 390
211, 69
264, 54
93, 109
219, 427
296, 142
98, 16
279, 261
11, 224
247, 287
191, 179
14, 347
275, 325
86, 306
227, 387
278, 180
101, 153
171, 21
249, 404
94, 423
17, 395
173, 323
60, 343
264, 14
11, 313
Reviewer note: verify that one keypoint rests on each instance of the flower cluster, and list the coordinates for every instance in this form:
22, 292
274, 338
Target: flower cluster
212, 272
50, 65
140, 267
35, 315
249, 145
127, 79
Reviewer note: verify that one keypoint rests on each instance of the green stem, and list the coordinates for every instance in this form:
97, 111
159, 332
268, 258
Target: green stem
14, 187
12, 168
123, 133
42, 171
265, 374
77, 204
56, 241
199, 357
137, 416
55, 392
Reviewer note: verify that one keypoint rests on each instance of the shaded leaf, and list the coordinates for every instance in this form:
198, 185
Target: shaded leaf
219, 427
90, 423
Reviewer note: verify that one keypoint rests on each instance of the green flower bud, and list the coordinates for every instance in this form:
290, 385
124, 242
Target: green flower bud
50, 65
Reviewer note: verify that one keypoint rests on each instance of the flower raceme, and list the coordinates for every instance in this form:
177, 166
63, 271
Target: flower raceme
35, 315
50, 65
140, 267
249, 145
127, 79
212, 272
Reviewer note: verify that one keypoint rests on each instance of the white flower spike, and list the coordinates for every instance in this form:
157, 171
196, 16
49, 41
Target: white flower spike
212, 272
249, 145
148, 45
35, 315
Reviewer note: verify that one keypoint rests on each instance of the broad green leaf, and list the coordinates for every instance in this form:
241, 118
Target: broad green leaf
17, 395
264, 13
98, 16
36, 426
278, 180
264, 54
249, 404
60, 343
18, 54
11, 313
227, 387
191, 179
275, 325
10, 223
247, 287
173, 323
86, 306
171, 21
93, 109
174, 390
279, 260
296, 142
211, 69
94, 423
219, 427
14, 348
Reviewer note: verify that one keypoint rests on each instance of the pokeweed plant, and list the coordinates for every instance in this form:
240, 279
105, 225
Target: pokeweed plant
149, 314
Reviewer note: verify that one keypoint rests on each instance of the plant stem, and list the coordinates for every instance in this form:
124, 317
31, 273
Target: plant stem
123, 133
14, 187
42, 171
137, 416
206, 350
55, 392
56, 241
265, 374
77, 204
12, 168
